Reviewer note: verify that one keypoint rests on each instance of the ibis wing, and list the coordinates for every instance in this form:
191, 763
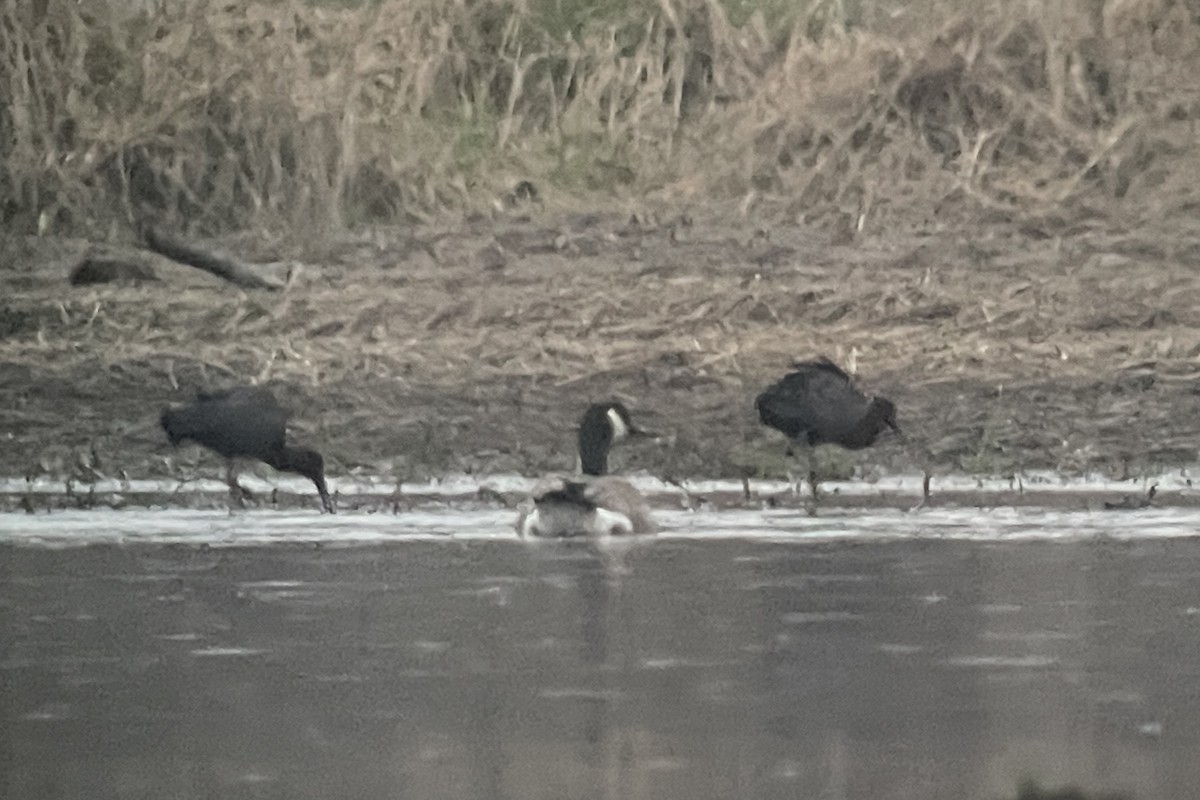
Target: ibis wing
776, 412
244, 421
816, 400
256, 403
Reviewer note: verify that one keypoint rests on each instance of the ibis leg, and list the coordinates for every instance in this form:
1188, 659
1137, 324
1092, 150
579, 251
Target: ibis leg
236, 491
812, 480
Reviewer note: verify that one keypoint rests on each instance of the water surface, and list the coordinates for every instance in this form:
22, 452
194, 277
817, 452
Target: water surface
934, 655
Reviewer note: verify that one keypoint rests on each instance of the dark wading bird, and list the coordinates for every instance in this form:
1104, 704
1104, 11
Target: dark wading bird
595, 504
817, 403
245, 422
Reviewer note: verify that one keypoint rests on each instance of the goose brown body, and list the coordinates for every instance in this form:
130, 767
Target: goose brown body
593, 503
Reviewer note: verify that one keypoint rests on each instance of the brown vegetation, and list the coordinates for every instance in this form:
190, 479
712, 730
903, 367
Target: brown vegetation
227, 115
988, 207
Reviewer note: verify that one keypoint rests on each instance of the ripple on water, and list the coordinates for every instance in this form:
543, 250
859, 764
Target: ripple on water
219, 529
811, 617
1003, 662
228, 652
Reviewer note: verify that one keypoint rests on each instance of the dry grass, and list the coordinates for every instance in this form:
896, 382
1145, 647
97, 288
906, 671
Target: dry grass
291, 115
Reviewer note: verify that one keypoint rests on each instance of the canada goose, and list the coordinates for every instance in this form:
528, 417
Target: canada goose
593, 504
244, 422
817, 403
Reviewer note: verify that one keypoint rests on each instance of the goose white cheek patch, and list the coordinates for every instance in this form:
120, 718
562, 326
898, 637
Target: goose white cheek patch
619, 428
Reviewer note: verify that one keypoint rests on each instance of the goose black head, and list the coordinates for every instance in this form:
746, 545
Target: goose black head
603, 425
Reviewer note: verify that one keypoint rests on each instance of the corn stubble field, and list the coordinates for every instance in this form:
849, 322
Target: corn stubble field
988, 208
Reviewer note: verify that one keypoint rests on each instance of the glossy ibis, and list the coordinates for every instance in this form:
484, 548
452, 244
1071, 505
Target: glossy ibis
817, 403
244, 422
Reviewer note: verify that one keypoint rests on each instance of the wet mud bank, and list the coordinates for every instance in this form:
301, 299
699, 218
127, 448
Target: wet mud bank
499, 492
420, 353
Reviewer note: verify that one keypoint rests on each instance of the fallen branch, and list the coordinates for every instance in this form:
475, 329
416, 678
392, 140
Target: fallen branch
99, 268
245, 275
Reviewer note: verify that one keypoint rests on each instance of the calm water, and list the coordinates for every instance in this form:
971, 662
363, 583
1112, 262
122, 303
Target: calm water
798, 660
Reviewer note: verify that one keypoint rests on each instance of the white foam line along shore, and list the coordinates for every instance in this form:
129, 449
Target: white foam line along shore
256, 528
466, 485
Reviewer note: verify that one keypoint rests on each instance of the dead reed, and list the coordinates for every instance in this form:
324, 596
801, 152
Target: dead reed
309, 117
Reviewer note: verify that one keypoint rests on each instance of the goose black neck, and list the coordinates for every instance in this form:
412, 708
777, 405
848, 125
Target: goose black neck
595, 437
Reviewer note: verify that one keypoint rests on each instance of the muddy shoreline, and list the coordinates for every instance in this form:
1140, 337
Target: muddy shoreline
46, 500
473, 346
